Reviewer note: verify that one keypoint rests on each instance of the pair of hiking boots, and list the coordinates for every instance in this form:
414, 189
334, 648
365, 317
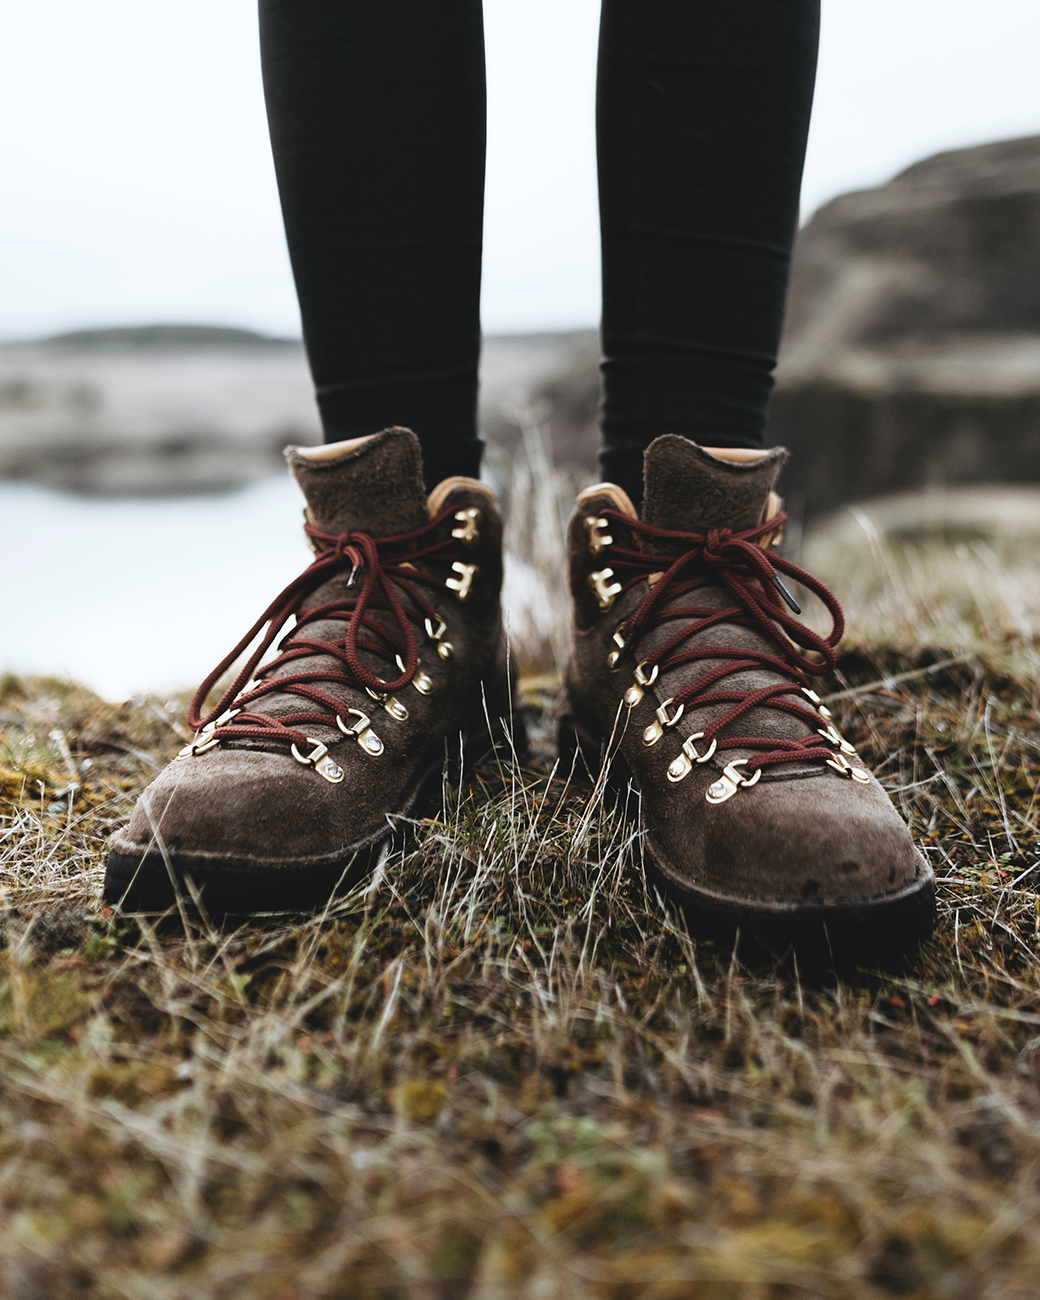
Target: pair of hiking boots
690, 674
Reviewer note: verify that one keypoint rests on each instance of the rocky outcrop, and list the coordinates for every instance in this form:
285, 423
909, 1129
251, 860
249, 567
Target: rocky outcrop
911, 355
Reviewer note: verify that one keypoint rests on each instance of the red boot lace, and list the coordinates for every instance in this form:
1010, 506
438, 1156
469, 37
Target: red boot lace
389, 583
733, 561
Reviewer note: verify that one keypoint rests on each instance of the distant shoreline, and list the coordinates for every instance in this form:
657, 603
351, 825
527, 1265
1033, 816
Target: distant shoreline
173, 336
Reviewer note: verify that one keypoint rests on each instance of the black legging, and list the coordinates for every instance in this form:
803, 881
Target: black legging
377, 112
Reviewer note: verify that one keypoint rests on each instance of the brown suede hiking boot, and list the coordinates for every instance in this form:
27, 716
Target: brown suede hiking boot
394, 659
689, 669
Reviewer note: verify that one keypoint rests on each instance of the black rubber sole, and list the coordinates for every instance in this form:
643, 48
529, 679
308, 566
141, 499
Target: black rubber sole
873, 928
154, 883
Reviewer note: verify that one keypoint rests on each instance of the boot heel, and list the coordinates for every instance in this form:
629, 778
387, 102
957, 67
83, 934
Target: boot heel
583, 750
500, 731
580, 750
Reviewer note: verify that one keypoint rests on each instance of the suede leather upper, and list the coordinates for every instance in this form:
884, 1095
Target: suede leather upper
803, 833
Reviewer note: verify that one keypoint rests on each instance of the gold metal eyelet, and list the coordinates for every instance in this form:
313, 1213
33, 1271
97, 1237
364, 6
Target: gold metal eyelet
821, 708
841, 764
832, 737
461, 585
319, 759
422, 682
731, 781
444, 648
330, 770
468, 533
391, 703
614, 658
641, 676
319, 751
605, 591
681, 766
362, 732
690, 748
598, 539
635, 693
204, 739
656, 729
224, 718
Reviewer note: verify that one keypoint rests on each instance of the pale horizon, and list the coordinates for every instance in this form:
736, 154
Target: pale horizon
140, 186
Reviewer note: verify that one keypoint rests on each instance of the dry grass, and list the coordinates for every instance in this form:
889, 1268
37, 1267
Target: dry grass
501, 1069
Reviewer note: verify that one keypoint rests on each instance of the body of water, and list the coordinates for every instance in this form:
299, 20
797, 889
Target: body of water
148, 595
131, 595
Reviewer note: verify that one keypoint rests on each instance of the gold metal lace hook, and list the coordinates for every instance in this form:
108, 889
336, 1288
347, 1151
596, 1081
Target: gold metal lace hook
731, 781
656, 729
682, 765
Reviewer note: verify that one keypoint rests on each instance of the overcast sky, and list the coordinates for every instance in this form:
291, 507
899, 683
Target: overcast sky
138, 184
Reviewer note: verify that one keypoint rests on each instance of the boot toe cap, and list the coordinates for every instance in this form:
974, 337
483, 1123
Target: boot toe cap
789, 844
251, 807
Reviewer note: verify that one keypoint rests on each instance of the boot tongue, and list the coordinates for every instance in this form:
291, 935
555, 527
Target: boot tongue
692, 491
373, 485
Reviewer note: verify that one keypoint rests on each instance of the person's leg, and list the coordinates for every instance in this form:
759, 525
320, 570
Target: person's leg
702, 117
377, 116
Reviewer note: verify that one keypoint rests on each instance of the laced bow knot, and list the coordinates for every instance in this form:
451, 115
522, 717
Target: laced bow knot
717, 542
391, 584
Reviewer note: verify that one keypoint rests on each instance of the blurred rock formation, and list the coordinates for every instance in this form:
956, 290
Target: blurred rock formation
911, 355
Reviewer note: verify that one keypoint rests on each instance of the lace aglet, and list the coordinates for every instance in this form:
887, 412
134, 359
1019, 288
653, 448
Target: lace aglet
785, 595
353, 575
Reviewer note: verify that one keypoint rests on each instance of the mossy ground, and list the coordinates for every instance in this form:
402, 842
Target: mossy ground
502, 1069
